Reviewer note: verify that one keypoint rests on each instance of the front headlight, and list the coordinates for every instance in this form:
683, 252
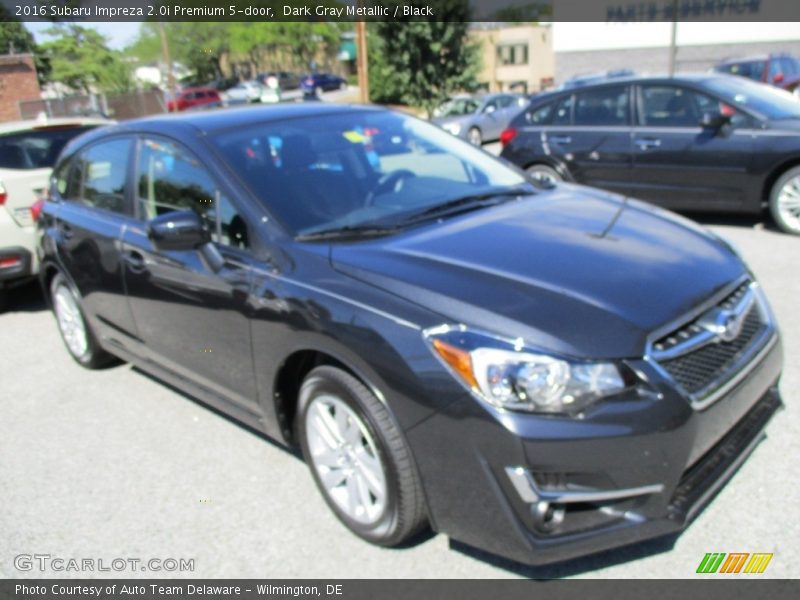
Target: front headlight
507, 375
454, 128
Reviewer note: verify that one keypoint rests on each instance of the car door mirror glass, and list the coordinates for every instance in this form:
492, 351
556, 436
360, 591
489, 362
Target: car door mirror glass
178, 230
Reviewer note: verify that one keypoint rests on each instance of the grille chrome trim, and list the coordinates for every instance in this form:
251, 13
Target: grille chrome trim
761, 344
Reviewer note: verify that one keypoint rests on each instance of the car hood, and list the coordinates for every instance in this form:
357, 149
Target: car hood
570, 270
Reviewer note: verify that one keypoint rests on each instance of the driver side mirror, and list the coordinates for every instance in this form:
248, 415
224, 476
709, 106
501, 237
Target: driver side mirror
179, 230
714, 120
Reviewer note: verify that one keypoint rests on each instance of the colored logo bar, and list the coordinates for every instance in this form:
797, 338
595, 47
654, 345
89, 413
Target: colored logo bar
734, 562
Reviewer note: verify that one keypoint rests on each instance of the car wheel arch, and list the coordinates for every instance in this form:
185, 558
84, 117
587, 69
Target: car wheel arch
776, 174
289, 377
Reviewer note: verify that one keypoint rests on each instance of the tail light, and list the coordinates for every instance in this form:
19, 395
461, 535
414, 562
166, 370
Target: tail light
8, 262
507, 135
3, 195
36, 209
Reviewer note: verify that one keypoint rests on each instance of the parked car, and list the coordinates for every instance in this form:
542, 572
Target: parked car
780, 70
706, 142
28, 151
246, 91
541, 373
479, 118
223, 84
286, 79
194, 97
316, 83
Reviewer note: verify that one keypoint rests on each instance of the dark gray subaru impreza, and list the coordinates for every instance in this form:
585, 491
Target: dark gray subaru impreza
541, 373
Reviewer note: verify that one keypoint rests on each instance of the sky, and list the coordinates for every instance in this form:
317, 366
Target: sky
579, 36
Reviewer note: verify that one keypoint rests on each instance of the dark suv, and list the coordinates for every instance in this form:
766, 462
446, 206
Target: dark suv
541, 373
705, 142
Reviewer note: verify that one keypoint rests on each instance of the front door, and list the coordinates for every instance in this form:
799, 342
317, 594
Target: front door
191, 307
681, 165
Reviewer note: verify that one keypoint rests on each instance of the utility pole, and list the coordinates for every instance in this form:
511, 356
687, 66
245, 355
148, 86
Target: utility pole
361, 61
673, 48
167, 61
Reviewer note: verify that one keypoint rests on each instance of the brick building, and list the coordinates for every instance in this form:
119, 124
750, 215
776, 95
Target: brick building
17, 82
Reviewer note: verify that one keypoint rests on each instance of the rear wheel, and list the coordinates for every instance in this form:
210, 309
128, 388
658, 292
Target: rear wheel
75, 331
784, 201
544, 174
358, 458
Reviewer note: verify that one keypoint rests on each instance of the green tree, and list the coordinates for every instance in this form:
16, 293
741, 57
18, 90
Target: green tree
420, 63
80, 58
14, 37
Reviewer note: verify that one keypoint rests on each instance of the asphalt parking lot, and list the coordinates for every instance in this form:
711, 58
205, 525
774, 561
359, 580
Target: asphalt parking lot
113, 464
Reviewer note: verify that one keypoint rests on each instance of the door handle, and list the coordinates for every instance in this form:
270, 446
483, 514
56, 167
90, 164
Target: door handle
648, 143
560, 139
135, 261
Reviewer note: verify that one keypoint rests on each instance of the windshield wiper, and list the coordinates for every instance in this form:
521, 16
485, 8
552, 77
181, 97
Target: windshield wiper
365, 230
466, 203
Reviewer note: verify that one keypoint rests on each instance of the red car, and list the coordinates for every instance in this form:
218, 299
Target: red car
193, 97
780, 70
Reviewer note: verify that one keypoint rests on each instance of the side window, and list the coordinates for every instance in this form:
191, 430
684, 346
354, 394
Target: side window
541, 115
61, 176
672, 106
99, 175
562, 114
170, 178
605, 106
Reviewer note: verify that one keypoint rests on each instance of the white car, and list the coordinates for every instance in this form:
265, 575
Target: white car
28, 151
246, 91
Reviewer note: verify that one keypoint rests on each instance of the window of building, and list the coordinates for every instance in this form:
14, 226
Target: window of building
512, 54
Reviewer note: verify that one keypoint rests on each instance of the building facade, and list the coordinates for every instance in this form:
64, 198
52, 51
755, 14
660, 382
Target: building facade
515, 58
18, 82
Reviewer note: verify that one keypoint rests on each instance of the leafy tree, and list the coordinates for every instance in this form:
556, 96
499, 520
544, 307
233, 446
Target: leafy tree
423, 62
80, 58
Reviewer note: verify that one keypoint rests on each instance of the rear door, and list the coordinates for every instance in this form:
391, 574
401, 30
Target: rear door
590, 133
679, 164
191, 307
96, 208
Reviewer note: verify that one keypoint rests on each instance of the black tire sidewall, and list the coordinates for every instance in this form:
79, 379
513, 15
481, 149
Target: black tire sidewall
320, 381
773, 200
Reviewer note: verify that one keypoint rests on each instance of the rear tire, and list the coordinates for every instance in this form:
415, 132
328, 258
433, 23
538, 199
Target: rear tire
543, 174
78, 336
358, 458
784, 201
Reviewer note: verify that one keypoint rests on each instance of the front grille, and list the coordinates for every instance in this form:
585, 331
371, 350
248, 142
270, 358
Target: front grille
701, 477
701, 368
705, 352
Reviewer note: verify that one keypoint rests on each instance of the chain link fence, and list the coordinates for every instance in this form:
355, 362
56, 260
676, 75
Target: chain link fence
119, 107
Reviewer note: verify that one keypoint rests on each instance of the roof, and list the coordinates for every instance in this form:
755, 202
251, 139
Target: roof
27, 125
228, 118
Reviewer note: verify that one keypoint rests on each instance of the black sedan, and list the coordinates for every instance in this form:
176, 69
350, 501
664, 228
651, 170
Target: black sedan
708, 142
541, 373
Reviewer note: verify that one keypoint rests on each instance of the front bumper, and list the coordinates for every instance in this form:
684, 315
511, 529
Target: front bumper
540, 489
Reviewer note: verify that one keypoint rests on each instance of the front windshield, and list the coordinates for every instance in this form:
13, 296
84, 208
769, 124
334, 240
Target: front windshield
456, 107
766, 100
358, 168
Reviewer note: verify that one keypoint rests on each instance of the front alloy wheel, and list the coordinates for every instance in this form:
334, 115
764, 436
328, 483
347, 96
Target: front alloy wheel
784, 202
358, 458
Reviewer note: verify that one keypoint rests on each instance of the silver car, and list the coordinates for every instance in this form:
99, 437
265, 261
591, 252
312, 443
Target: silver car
479, 118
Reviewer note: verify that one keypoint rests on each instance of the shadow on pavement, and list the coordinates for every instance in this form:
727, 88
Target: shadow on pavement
577, 566
26, 298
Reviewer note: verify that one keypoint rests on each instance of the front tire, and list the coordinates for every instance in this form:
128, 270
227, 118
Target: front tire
78, 337
784, 201
358, 458
474, 137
